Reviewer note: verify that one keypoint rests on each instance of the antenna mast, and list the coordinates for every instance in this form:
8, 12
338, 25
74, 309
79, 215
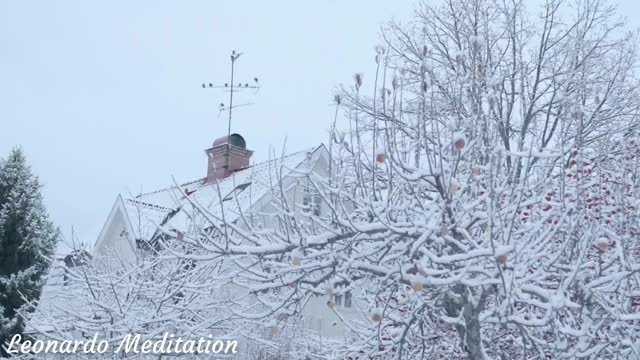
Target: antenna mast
232, 88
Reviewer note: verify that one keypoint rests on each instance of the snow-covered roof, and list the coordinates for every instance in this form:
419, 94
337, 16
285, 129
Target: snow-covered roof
233, 195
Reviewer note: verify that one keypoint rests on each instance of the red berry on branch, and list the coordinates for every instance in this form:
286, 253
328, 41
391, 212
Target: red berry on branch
459, 141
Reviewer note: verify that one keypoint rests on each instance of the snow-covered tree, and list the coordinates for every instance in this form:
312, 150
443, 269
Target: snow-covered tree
27, 240
483, 201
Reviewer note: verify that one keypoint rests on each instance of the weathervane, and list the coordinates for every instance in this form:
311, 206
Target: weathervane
232, 88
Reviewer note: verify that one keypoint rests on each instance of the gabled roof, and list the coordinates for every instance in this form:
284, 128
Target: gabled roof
235, 195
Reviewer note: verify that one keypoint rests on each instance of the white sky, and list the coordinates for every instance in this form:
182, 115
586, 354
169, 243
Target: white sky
106, 97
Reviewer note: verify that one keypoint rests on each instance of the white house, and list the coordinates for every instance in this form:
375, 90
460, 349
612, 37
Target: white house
233, 188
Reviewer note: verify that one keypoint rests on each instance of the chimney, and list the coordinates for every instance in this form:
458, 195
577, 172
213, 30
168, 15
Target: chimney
218, 167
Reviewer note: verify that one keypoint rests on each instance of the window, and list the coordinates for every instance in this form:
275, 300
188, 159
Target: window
338, 300
311, 199
317, 201
348, 299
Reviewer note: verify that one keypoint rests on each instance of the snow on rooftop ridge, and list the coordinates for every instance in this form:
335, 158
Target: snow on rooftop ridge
147, 205
197, 181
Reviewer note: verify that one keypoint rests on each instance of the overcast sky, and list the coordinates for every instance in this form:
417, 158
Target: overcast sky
106, 98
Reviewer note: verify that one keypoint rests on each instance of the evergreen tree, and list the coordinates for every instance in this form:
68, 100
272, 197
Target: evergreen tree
27, 240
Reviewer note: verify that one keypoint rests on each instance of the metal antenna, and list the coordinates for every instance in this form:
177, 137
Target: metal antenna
232, 88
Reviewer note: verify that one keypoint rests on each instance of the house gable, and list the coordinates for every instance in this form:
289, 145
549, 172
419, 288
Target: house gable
116, 238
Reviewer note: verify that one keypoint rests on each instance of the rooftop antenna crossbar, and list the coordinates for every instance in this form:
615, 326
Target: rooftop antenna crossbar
232, 89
